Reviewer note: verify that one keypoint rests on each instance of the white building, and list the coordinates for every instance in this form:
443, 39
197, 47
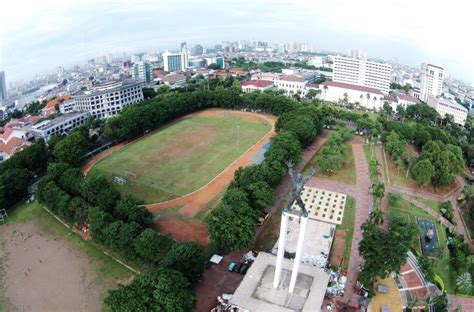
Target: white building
256, 85
291, 84
108, 99
362, 72
432, 77
370, 98
444, 107
175, 61
60, 125
67, 107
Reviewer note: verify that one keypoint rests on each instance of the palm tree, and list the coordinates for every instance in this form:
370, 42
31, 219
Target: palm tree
412, 303
429, 301
325, 91
464, 283
368, 98
376, 216
378, 191
346, 98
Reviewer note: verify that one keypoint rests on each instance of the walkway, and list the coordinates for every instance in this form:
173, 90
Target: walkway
364, 202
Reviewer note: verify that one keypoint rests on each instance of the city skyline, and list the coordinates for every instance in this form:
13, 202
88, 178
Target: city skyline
61, 34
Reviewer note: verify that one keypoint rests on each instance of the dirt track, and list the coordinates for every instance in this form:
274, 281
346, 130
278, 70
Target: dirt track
182, 228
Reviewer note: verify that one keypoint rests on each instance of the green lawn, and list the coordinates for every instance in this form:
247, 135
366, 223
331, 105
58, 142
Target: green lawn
345, 230
430, 203
345, 175
369, 151
407, 210
109, 272
183, 156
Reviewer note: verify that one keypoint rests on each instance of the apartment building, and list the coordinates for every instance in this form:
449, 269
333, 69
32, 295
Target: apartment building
362, 72
444, 107
109, 98
60, 125
432, 78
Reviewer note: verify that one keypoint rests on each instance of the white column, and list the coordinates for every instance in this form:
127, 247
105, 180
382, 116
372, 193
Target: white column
299, 251
281, 249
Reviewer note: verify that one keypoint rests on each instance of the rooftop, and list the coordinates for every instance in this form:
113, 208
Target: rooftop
108, 86
256, 292
46, 124
351, 87
436, 66
293, 78
258, 83
408, 98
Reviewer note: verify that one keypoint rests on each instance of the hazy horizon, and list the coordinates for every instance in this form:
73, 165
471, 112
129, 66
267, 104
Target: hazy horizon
36, 38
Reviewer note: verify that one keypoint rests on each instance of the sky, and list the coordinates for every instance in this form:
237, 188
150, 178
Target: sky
37, 36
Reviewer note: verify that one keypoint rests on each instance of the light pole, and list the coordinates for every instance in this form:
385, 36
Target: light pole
238, 136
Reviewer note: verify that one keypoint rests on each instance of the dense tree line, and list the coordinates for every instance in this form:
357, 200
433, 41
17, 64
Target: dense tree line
17, 172
334, 153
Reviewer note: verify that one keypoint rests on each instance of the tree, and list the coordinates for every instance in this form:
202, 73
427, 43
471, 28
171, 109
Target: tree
303, 127
285, 147
409, 158
313, 93
161, 290
229, 230
376, 216
13, 186
378, 191
128, 210
150, 246
71, 149
413, 303
260, 195
401, 111
422, 171
393, 244
187, 258
387, 108
464, 283
394, 145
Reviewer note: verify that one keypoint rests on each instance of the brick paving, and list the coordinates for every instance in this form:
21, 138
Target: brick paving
364, 203
467, 304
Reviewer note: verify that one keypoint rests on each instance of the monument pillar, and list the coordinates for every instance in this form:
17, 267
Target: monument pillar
281, 248
299, 251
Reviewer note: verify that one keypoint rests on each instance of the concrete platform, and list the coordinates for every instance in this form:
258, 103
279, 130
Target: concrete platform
256, 292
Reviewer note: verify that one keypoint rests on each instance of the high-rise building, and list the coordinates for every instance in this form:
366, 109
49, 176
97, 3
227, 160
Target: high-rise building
175, 61
432, 77
362, 72
198, 50
3, 87
142, 71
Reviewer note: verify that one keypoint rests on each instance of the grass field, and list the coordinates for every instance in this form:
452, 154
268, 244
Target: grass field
343, 236
183, 156
402, 208
345, 175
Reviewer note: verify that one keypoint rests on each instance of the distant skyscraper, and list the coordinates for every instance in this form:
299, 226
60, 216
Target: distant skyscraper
3, 87
110, 58
432, 78
142, 71
176, 61
198, 50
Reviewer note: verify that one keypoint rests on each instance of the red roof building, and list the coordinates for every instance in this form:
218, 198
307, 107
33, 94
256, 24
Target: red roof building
256, 85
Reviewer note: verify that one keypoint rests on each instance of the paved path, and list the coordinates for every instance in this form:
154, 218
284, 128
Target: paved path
467, 304
384, 202
364, 201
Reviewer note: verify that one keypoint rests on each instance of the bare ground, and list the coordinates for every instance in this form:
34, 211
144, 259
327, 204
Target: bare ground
43, 272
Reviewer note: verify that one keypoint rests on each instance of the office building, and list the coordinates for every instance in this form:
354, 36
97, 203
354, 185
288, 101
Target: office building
218, 60
60, 125
445, 107
432, 77
109, 98
3, 87
362, 72
176, 61
339, 92
142, 71
198, 50
257, 85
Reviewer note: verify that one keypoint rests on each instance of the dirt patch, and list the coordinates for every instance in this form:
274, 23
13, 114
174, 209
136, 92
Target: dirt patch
184, 230
337, 251
43, 272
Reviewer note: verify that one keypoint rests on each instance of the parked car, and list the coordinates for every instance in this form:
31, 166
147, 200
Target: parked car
244, 268
263, 217
231, 266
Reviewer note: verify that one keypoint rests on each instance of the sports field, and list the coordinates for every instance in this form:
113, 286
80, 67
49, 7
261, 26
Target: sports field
184, 156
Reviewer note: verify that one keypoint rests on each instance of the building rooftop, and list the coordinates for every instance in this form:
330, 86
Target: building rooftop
351, 87
46, 124
108, 86
408, 98
435, 66
258, 83
256, 292
293, 78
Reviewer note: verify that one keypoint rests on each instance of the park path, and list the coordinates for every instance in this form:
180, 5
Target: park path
384, 202
364, 203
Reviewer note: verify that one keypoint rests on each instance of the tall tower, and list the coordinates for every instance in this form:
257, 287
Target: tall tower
298, 181
3, 87
432, 78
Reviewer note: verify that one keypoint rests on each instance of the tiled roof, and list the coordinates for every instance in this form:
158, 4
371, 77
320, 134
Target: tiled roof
258, 83
292, 78
408, 98
343, 85
14, 145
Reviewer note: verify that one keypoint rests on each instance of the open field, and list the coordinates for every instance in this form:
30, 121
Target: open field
345, 175
398, 178
46, 267
341, 246
183, 156
407, 210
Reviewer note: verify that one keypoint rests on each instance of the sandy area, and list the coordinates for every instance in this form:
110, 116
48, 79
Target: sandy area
43, 272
